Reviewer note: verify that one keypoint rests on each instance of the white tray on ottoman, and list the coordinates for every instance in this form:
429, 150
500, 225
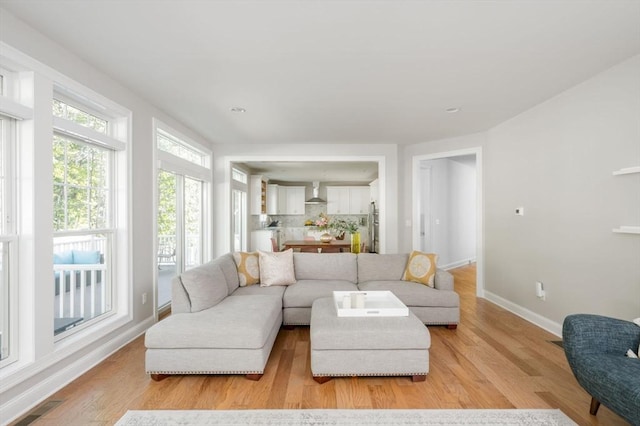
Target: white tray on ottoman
366, 345
376, 304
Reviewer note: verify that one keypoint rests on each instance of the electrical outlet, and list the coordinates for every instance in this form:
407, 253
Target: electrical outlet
520, 211
144, 298
540, 293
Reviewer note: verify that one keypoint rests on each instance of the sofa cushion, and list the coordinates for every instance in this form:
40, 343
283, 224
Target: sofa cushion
377, 267
88, 257
421, 268
272, 290
63, 258
414, 294
205, 285
248, 265
276, 268
326, 266
303, 293
238, 322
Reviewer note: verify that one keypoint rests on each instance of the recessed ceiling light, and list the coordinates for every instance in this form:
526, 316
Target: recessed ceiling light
237, 109
452, 110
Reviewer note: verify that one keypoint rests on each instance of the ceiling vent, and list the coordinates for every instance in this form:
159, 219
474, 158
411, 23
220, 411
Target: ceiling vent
315, 199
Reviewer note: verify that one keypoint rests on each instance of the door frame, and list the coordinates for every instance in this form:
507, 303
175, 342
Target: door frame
417, 201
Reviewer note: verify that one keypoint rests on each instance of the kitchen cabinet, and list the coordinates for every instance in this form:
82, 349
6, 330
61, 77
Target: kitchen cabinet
289, 200
348, 199
258, 195
359, 200
373, 189
272, 199
337, 200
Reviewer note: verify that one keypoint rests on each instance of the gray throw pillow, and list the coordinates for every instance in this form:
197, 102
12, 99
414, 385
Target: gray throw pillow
205, 285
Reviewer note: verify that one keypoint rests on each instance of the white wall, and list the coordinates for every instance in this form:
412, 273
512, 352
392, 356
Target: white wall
385, 154
462, 187
556, 160
54, 365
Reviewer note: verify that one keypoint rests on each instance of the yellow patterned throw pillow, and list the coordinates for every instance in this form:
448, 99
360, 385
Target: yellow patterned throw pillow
248, 267
421, 268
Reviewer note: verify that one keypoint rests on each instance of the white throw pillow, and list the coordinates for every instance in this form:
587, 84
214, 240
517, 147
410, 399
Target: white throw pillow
276, 268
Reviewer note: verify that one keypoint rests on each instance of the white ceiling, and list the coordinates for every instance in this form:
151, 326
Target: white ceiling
341, 71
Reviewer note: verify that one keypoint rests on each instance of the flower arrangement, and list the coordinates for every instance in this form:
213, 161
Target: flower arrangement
323, 222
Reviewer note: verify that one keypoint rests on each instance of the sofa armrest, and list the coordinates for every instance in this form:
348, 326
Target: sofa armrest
443, 280
584, 334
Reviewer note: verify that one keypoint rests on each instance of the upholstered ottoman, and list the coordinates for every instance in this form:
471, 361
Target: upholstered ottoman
366, 346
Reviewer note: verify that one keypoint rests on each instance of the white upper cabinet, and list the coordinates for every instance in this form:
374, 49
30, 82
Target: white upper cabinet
258, 195
285, 199
272, 199
337, 200
373, 188
295, 199
348, 199
359, 200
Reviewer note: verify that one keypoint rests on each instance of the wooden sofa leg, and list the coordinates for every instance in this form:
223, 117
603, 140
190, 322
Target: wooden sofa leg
452, 326
158, 377
254, 377
419, 378
595, 404
322, 379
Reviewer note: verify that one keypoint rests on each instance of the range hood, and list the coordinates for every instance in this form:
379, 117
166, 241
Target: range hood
315, 199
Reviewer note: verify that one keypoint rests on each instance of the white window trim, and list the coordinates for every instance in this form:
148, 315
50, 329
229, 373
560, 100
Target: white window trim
87, 134
11, 237
159, 125
174, 164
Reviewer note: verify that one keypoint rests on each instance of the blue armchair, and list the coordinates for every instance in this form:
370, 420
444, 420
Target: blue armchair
595, 347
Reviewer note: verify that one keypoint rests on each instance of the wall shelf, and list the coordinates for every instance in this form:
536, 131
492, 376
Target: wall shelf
627, 170
627, 229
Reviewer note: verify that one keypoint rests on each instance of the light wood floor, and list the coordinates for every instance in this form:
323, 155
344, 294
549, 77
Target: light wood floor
493, 360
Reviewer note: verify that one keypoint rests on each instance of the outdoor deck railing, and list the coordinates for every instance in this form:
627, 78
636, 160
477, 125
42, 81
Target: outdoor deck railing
81, 290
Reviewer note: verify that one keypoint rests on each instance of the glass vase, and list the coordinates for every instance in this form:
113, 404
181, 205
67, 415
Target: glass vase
355, 242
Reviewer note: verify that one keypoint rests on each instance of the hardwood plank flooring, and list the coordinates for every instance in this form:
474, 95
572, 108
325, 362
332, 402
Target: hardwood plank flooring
494, 359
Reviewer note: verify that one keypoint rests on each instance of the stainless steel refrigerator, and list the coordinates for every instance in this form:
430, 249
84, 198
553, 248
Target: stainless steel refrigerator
374, 228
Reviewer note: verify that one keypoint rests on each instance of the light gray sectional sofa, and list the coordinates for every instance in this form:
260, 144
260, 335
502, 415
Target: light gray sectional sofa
218, 327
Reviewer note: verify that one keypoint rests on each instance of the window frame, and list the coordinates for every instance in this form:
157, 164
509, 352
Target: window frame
118, 153
9, 237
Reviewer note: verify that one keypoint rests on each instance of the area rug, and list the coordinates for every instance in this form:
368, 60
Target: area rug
347, 417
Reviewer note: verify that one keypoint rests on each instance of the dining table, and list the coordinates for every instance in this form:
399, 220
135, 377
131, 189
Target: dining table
316, 245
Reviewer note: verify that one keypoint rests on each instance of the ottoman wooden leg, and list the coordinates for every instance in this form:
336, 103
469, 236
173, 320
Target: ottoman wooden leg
254, 377
158, 377
452, 326
419, 378
322, 379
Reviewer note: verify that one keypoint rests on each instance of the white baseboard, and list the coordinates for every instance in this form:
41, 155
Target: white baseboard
537, 319
21, 404
457, 264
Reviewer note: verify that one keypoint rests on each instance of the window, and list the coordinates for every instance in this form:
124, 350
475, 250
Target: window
183, 179
84, 164
71, 113
181, 149
8, 241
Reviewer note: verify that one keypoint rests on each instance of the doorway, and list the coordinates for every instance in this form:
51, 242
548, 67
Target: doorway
447, 208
